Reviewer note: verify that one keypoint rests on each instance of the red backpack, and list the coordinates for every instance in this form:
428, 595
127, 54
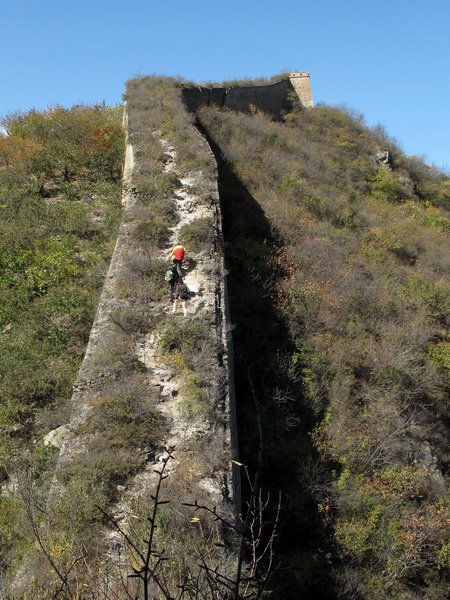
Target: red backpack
178, 253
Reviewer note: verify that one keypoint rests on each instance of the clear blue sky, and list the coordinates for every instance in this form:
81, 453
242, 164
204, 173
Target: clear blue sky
388, 60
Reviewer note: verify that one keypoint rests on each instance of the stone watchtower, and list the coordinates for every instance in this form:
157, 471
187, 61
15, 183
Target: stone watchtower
302, 85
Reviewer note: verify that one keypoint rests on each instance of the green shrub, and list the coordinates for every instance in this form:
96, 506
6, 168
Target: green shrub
129, 420
128, 319
420, 291
440, 354
14, 537
120, 359
194, 400
198, 235
85, 486
443, 195
154, 230
360, 289
186, 337
385, 186
429, 215
44, 458
60, 213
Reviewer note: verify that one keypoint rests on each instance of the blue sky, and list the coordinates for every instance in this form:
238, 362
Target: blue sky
388, 60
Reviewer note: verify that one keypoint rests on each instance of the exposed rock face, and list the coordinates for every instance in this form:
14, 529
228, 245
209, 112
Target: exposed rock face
207, 304
382, 157
56, 437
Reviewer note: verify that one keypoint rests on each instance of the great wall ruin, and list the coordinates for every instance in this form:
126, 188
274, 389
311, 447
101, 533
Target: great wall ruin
205, 458
209, 306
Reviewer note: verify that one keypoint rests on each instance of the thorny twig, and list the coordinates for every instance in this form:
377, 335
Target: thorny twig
63, 576
147, 572
256, 543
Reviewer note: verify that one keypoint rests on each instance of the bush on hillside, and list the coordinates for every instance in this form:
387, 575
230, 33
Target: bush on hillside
363, 296
60, 173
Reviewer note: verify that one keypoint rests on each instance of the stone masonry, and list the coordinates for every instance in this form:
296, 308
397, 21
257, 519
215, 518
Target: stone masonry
274, 99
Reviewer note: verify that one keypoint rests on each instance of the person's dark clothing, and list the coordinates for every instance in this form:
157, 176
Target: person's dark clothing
182, 291
176, 279
177, 264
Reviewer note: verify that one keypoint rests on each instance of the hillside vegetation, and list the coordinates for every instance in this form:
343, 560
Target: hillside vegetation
60, 190
341, 303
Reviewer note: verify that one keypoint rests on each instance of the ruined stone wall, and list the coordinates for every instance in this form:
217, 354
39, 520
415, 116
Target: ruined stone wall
273, 99
301, 83
207, 282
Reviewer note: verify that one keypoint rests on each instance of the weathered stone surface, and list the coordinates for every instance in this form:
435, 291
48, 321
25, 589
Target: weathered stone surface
383, 157
301, 83
57, 436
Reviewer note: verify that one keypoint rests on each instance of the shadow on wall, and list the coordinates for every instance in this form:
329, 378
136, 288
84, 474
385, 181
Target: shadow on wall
273, 99
261, 340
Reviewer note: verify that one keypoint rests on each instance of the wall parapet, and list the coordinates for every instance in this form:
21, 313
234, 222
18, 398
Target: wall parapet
274, 99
